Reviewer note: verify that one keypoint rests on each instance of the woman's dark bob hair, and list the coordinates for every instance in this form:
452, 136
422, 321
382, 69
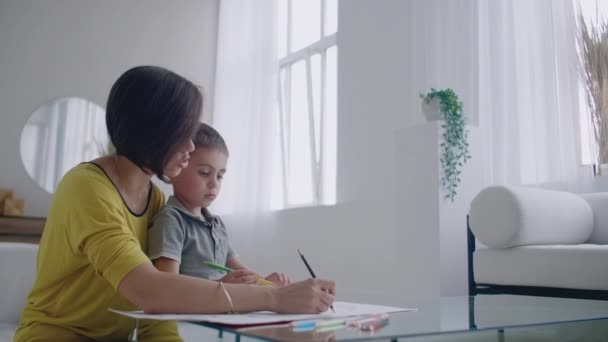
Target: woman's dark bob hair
151, 113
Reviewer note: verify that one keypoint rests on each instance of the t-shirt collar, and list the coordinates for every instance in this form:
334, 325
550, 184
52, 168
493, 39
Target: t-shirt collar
175, 203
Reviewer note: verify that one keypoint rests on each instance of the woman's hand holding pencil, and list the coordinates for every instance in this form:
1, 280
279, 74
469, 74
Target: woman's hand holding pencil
312, 295
308, 296
312, 273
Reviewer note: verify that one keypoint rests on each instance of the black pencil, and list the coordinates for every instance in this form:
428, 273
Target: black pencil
312, 273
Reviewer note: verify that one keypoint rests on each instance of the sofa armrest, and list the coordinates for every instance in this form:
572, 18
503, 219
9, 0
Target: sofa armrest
599, 205
503, 217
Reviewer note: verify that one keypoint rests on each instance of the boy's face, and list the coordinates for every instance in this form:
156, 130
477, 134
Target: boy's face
201, 181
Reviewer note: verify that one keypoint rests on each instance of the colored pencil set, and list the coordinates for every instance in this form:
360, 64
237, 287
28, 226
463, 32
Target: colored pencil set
367, 323
373, 323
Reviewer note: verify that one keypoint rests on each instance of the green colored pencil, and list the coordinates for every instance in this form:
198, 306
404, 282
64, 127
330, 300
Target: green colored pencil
218, 267
227, 269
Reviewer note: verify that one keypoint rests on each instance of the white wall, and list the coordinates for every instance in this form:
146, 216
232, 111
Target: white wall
392, 238
374, 243
390, 52
357, 244
51, 49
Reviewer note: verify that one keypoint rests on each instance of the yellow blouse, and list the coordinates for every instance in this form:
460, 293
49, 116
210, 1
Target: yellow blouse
90, 242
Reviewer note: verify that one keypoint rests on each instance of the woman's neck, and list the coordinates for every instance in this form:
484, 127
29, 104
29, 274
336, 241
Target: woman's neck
132, 180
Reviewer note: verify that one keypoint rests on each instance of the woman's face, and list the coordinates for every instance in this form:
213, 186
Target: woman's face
179, 160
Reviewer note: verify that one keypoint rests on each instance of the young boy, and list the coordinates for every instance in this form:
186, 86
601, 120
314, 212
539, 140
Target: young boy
184, 234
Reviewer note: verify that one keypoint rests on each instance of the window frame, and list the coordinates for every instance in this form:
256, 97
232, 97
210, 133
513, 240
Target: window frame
285, 64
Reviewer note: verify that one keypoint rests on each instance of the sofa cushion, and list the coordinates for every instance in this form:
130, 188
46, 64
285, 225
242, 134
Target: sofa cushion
502, 217
599, 205
17, 272
565, 266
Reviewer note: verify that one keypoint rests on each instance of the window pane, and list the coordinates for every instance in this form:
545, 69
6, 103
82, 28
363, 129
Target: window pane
277, 192
331, 17
306, 23
300, 174
331, 126
315, 64
284, 98
276, 186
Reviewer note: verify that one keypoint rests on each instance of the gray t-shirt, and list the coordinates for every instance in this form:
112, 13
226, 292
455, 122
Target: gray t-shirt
189, 240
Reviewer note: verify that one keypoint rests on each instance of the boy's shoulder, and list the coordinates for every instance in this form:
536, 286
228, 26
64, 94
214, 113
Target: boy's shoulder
167, 211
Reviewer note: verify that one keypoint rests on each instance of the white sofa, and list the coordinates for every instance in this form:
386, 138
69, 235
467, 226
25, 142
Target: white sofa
539, 242
17, 272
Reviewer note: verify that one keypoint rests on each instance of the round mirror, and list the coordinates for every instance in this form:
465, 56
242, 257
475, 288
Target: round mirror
59, 135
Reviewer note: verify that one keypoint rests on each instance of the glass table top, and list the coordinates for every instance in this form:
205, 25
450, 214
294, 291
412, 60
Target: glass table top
449, 315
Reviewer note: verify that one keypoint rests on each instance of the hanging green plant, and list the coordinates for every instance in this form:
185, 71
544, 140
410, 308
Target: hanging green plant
455, 145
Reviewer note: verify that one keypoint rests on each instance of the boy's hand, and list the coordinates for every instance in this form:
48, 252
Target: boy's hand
243, 276
279, 279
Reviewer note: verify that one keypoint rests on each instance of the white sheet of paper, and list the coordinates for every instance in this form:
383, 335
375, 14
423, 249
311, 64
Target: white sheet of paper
343, 309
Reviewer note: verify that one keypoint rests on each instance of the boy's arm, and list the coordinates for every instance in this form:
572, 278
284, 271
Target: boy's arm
240, 274
275, 277
235, 264
167, 265
166, 241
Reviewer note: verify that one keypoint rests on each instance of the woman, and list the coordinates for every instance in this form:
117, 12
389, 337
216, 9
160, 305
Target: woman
92, 255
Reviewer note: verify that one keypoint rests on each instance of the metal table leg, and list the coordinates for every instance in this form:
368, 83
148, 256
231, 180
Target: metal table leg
133, 337
501, 335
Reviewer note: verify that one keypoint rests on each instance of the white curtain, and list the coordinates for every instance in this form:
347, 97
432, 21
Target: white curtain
528, 91
519, 55
245, 104
595, 12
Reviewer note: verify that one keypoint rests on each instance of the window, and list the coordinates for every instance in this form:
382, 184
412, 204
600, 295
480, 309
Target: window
307, 125
594, 12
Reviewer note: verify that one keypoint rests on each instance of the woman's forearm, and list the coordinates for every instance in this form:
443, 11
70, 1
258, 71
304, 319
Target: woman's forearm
172, 293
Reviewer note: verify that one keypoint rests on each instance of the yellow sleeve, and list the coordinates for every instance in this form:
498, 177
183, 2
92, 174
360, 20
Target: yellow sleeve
98, 228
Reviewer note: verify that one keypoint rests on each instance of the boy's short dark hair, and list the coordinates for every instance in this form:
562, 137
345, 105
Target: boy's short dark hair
151, 112
207, 137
